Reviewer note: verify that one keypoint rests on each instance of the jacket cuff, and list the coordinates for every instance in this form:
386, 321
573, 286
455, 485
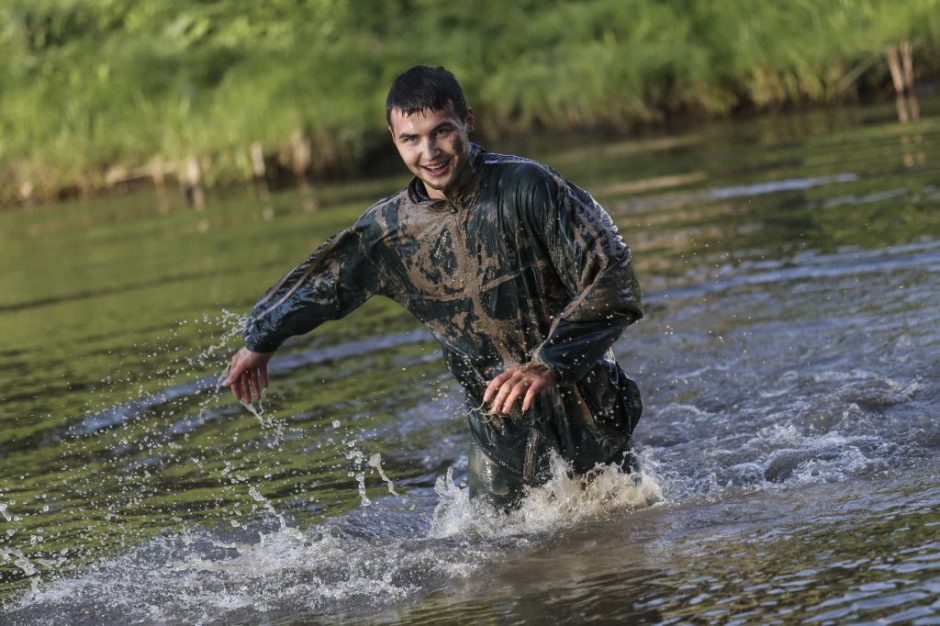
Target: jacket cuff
260, 344
563, 375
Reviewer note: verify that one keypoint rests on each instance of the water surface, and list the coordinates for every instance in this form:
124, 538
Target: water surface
788, 362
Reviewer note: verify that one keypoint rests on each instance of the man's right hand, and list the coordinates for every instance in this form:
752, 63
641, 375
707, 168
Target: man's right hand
248, 375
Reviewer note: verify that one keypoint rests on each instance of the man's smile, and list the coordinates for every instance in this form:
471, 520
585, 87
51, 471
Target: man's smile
436, 169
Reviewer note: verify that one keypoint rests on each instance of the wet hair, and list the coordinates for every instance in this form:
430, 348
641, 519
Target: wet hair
424, 88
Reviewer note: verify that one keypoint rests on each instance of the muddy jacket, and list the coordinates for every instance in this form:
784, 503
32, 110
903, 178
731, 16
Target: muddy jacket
517, 265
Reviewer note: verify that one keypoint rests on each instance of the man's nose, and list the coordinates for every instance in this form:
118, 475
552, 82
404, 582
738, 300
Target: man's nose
432, 147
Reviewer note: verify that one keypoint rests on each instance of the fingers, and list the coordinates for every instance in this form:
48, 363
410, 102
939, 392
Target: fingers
531, 392
247, 376
245, 388
259, 380
524, 382
263, 370
234, 372
234, 378
495, 384
254, 386
251, 385
516, 389
505, 384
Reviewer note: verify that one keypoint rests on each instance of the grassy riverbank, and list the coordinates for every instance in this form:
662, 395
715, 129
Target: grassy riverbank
113, 89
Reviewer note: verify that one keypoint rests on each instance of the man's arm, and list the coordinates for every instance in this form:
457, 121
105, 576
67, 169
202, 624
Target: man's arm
593, 261
594, 264
336, 279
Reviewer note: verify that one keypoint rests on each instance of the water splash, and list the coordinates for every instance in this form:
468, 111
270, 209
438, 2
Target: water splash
22, 562
258, 573
358, 458
173, 383
563, 501
375, 461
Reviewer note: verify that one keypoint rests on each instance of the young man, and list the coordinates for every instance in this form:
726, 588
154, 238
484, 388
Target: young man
520, 275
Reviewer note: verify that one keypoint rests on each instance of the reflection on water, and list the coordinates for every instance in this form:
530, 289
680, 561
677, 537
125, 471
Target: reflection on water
788, 362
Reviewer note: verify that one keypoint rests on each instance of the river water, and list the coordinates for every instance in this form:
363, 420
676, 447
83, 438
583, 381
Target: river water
788, 360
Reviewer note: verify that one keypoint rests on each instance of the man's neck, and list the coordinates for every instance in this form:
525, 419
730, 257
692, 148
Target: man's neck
465, 183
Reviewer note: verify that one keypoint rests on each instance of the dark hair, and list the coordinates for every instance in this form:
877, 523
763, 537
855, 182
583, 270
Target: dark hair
425, 88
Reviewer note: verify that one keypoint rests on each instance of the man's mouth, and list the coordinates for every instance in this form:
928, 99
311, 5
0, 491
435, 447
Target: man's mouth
437, 169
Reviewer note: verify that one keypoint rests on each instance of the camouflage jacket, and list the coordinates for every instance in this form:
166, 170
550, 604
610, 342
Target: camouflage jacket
517, 265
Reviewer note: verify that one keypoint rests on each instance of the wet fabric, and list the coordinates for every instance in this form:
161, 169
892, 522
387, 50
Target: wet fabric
516, 266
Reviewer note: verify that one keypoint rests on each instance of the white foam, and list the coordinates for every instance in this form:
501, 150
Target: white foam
563, 501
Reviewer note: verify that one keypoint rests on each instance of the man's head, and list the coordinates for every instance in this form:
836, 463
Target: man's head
430, 122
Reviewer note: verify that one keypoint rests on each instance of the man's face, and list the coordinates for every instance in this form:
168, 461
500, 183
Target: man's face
433, 144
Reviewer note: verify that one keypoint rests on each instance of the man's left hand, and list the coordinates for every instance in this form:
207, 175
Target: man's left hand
505, 389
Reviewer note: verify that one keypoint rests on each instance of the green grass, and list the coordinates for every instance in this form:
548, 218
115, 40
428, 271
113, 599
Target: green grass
94, 84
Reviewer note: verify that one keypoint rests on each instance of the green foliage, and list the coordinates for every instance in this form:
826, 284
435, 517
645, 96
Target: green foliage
91, 84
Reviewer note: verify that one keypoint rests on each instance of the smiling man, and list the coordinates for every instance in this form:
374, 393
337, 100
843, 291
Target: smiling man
520, 275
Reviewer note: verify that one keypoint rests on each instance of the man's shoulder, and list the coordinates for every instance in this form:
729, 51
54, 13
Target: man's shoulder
385, 206
518, 166
391, 201
381, 218
521, 176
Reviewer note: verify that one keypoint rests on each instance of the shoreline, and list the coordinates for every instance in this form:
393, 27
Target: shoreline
283, 167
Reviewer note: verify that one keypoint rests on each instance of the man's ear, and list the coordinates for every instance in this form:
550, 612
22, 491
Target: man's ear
470, 120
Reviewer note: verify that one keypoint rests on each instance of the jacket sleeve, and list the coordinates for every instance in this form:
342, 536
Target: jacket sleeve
593, 263
337, 278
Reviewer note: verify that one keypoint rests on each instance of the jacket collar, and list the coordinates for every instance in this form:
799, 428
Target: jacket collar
463, 193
